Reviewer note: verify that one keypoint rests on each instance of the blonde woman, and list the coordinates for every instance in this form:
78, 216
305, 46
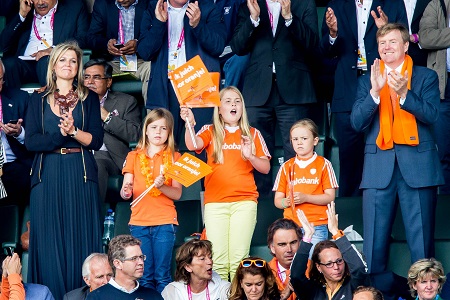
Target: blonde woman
234, 150
426, 278
64, 126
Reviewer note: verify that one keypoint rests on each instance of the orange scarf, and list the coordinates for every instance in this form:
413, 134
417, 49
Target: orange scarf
396, 125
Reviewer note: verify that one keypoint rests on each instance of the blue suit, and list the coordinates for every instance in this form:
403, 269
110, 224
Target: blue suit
412, 172
344, 52
207, 39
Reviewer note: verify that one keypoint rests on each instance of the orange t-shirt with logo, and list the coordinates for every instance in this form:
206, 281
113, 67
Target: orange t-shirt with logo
312, 177
233, 180
151, 210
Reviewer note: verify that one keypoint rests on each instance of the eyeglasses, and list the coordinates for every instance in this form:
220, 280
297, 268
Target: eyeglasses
256, 262
135, 258
338, 262
95, 77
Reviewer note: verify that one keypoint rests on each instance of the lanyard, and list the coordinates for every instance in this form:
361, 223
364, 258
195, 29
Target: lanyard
36, 32
121, 33
190, 293
180, 40
270, 15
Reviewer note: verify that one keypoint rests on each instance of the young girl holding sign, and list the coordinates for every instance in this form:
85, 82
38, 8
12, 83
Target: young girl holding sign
233, 150
307, 178
153, 215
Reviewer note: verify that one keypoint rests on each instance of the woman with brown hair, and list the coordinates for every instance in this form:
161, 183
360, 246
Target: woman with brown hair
254, 280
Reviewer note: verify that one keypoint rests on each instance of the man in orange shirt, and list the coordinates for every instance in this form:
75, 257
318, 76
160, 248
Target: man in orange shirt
283, 240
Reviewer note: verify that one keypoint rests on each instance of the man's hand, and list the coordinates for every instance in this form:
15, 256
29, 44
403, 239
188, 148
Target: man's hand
285, 9
129, 48
254, 9
288, 290
12, 129
331, 21
25, 7
113, 50
14, 266
41, 53
194, 13
377, 79
161, 12
398, 83
382, 20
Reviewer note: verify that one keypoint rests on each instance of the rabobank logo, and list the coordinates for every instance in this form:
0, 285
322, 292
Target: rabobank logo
305, 180
233, 146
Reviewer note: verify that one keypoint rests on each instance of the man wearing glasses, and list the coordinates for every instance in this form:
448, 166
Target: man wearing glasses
127, 261
121, 118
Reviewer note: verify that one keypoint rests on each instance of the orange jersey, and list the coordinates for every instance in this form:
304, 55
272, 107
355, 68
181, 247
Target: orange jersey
151, 210
311, 177
233, 180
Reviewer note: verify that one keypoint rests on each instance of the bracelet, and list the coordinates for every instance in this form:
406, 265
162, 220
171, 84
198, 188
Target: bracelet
306, 240
108, 118
339, 234
290, 19
283, 204
416, 38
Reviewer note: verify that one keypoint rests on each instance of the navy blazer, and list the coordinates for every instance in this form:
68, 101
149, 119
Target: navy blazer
78, 294
105, 25
14, 107
290, 50
419, 165
345, 48
207, 40
71, 23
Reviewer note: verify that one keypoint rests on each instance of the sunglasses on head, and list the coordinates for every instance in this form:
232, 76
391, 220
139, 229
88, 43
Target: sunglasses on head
256, 262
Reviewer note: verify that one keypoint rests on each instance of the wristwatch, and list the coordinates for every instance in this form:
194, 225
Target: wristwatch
74, 133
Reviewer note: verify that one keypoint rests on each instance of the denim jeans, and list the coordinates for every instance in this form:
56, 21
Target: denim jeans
157, 245
320, 234
234, 69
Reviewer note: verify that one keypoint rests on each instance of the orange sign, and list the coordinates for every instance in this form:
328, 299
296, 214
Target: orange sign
194, 85
188, 169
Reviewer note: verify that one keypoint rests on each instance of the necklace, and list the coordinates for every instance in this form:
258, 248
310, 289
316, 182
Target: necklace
65, 102
147, 171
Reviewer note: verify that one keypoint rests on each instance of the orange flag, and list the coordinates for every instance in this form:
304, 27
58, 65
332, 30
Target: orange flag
194, 86
188, 169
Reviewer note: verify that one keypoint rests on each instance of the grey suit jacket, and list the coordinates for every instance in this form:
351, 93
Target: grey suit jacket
419, 164
434, 34
78, 294
124, 126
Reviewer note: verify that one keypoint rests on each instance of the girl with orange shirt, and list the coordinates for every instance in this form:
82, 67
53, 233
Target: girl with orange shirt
307, 179
153, 218
233, 150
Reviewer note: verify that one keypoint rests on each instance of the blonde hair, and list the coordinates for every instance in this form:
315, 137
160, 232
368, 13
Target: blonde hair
308, 124
155, 115
56, 53
423, 268
219, 127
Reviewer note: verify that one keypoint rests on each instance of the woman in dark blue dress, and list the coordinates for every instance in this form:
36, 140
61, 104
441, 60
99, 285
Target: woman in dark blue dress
63, 127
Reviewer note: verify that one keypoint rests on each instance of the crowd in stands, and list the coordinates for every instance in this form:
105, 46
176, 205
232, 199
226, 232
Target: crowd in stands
389, 103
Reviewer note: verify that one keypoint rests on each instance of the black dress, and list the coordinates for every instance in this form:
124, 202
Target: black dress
64, 213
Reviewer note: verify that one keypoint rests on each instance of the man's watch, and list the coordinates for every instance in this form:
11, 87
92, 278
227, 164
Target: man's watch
74, 133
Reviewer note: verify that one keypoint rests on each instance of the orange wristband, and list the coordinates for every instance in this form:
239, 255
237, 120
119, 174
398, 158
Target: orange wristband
339, 234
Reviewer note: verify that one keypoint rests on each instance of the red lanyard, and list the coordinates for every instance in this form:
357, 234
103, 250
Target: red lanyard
190, 293
270, 15
180, 40
36, 32
121, 34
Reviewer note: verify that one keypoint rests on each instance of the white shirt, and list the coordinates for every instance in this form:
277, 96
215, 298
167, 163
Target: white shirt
410, 5
362, 18
176, 25
121, 288
44, 29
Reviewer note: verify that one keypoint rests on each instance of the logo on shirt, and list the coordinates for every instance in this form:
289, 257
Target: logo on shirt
305, 180
313, 171
233, 146
226, 10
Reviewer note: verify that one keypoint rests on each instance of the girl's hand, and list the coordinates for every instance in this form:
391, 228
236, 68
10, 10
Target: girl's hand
299, 198
127, 190
187, 115
159, 181
307, 227
332, 219
246, 147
